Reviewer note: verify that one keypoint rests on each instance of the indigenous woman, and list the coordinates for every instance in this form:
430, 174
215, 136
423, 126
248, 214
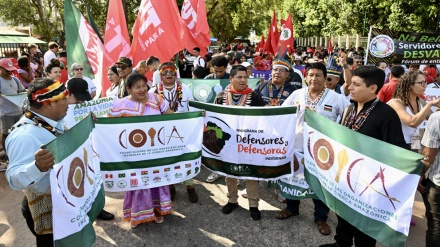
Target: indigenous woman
113, 77
25, 71
145, 205
177, 95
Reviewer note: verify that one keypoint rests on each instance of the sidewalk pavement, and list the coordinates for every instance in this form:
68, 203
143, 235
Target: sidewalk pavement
200, 224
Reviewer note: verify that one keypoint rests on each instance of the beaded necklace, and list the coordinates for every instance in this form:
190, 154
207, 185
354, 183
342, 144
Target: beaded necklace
38, 121
275, 101
317, 101
176, 97
241, 101
354, 121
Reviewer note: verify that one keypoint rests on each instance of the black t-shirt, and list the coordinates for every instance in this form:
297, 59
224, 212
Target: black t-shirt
383, 124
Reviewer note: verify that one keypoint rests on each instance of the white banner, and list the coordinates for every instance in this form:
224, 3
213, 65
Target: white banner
100, 107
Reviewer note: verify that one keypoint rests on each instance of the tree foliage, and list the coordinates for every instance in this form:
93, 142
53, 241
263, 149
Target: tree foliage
230, 18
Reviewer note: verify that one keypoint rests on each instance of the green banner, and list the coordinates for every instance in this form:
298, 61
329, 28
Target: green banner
361, 178
205, 90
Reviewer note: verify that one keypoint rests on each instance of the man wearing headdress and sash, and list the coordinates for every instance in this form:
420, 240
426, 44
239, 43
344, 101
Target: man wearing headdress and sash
327, 103
177, 95
279, 87
29, 167
335, 67
239, 94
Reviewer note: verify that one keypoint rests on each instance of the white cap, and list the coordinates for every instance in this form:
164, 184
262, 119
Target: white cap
246, 64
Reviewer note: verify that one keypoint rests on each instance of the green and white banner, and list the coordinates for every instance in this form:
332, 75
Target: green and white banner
149, 151
76, 186
295, 187
369, 183
205, 90
16, 99
100, 107
248, 142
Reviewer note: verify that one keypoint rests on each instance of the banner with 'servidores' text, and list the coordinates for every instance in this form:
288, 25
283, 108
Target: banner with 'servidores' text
149, 151
248, 142
361, 178
395, 47
76, 186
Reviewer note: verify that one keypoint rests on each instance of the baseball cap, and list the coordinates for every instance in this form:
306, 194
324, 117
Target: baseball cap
7, 64
246, 64
125, 60
79, 88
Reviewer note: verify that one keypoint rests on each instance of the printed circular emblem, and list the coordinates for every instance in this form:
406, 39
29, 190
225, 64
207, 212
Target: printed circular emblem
381, 46
122, 184
75, 179
10, 64
324, 154
137, 138
285, 34
203, 93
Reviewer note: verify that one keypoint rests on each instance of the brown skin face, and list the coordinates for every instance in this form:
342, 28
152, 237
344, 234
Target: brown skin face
279, 75
316, 80
138, 92
219, 71
359, 91
239, 81
331, 82
168, 77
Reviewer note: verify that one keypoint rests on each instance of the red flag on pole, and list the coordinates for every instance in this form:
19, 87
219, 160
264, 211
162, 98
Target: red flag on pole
116, 40
286, 37
195, 25
157, 31
260, 44
330, 45
271, 44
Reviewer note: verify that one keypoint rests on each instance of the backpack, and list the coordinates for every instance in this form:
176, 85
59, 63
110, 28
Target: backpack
16, 81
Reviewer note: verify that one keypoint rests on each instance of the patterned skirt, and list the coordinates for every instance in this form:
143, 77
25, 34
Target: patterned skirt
140, 205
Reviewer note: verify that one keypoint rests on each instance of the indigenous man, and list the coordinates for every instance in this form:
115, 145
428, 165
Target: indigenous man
278, 88
335, 65
124, 69
177, 95
239, 94
29, 168
327, 103
369, 116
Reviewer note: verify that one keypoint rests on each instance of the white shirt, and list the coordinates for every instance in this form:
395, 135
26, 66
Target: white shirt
331, 106
199, 62
48, 56
92, 87
183, 106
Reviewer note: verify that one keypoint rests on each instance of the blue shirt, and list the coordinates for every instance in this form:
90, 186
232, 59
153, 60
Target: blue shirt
288, 89
21, 145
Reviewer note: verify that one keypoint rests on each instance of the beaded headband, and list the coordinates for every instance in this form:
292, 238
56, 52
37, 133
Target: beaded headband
51, 93
167, 65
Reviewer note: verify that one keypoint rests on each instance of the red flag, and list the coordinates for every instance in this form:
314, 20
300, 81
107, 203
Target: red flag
157, 31
195, 25
116, 40
260, 44
286, 37
273, 36
330, 46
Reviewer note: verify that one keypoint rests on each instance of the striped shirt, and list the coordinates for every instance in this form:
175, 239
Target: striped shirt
431, 139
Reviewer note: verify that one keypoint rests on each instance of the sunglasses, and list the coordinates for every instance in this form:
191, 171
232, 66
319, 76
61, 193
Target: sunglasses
122, 67
280, 70
171, 73
329, 79
79, 69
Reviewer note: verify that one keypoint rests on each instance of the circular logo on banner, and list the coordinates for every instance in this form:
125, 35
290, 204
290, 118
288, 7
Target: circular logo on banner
285, 34
382, 46
203, 93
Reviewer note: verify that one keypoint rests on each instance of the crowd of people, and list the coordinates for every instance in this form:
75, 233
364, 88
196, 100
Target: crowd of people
383, 102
